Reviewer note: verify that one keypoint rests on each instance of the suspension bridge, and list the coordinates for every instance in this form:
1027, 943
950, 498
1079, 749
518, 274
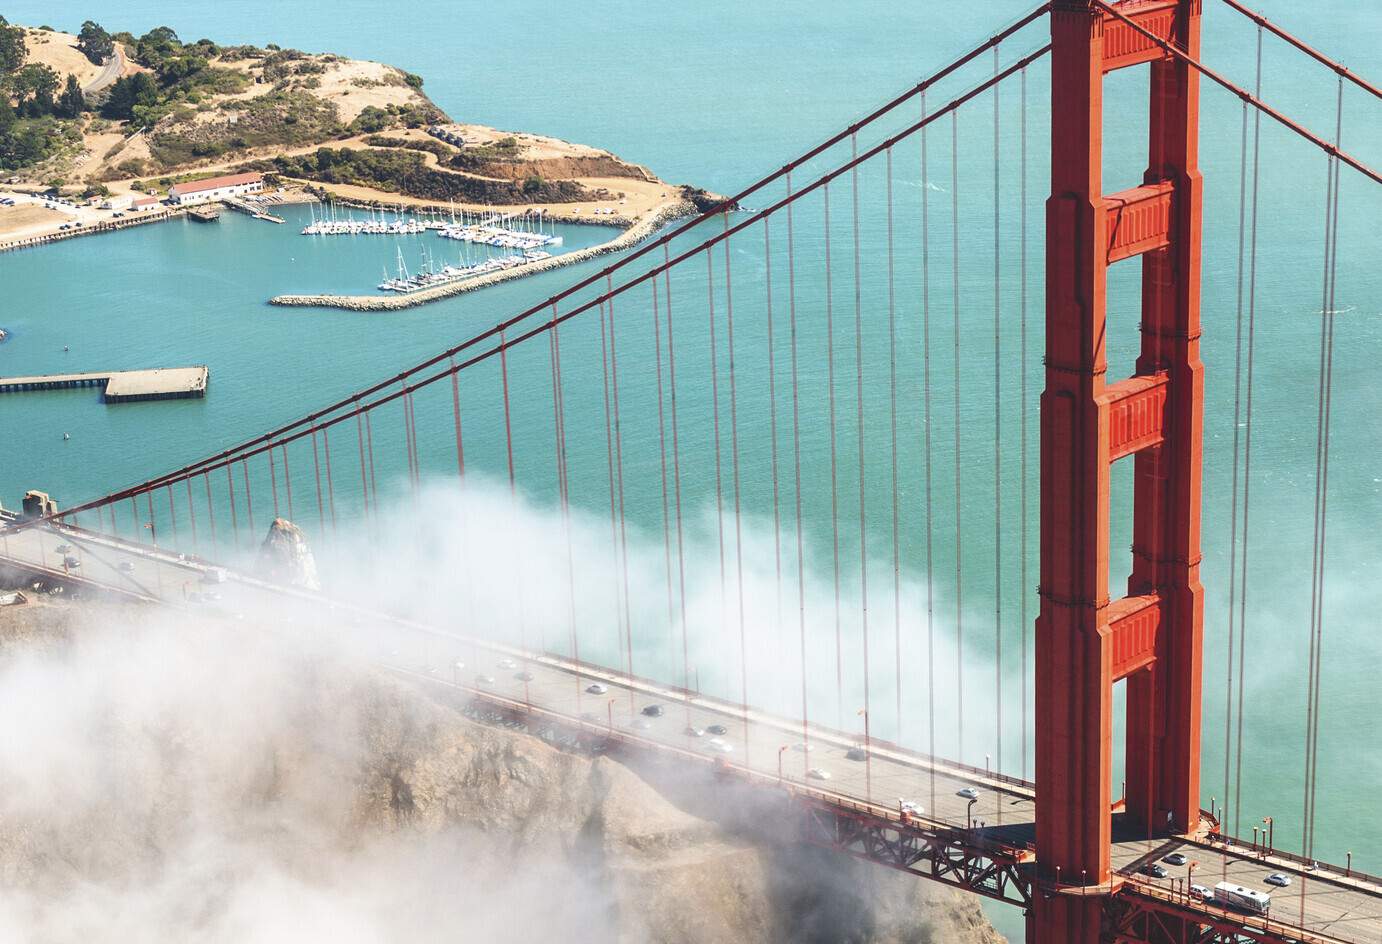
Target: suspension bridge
766, 435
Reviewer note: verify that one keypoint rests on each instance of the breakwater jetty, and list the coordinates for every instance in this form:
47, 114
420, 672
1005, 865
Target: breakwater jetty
635, 234
121, 386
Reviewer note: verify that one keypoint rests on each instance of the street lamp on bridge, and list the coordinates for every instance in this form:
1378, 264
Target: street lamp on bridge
868, 757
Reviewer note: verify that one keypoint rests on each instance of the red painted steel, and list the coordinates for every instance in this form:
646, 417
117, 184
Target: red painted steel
1124, 46
1139, 220
1132, 628
1137, 414
1084, 641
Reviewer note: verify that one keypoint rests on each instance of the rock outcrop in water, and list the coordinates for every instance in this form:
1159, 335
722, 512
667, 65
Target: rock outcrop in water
285, 558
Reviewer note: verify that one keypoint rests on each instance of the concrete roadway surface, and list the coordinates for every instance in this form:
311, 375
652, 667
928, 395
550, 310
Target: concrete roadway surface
114, 65
824, 761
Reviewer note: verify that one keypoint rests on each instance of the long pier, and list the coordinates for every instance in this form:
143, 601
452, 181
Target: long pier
121, 386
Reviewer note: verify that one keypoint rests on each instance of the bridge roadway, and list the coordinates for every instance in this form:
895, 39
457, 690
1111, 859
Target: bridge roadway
1320, 906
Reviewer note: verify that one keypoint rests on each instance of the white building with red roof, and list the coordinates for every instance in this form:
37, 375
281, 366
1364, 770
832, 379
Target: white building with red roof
215, 188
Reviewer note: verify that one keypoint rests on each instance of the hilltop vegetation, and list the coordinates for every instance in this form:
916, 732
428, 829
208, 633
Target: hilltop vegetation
38, 111
406, 171
194, 101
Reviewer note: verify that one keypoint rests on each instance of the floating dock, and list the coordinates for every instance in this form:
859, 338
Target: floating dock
121, 386
259, 213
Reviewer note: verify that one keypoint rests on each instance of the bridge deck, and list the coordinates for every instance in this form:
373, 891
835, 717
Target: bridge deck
1324, 905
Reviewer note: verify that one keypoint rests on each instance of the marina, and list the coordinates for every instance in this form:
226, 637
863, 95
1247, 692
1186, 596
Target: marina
121, 386
525, 231
522, 238
430, 275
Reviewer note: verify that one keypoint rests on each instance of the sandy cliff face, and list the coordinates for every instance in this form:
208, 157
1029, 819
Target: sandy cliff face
660, 872
181, 782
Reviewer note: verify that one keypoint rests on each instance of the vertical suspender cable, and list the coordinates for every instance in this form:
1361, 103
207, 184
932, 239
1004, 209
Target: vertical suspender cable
456, 417
715, 431
273, 477
407, 432
317, 471
734, 465
662, 456
619, 471
369, 448
892, 424
330, 486
926, 434
287, 485
191, 512
360, 440
513, 500
210, 508
1229, 680
997, 432
859, 433
834, 473
249, 497
1327, 314
676, 475
1247, 447
153, 530
1324, 478
564, 490
609, 461
1315, 561
230, 490
508, 423
796, 476
1022, 398
772, 431
959, 534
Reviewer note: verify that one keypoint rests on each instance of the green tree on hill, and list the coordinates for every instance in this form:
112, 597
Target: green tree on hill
157, 45
95, 43
176, 68
35, 89
126, 94
12, 49
72, 102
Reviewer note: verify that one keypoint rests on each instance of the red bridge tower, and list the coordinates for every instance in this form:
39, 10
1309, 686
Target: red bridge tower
1152, 636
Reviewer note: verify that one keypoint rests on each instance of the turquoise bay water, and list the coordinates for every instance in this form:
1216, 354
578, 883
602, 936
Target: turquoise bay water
716, 95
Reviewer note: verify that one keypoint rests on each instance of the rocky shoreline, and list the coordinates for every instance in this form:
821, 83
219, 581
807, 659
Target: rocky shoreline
635, 234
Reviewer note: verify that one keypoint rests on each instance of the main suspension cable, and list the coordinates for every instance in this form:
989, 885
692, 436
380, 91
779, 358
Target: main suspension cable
1343, 71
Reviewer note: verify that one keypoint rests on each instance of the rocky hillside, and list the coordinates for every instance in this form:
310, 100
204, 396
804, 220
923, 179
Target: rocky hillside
205, 784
